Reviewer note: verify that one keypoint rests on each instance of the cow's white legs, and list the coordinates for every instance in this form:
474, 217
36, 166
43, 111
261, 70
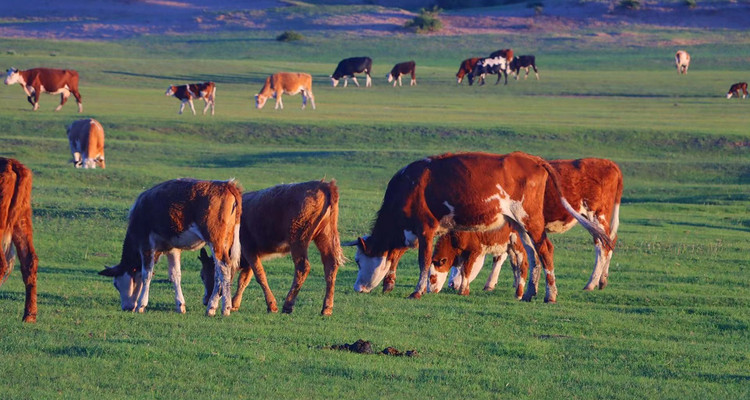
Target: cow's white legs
279, 103
182, 107
222, 281
413, 82
475, 267
354, 79
368, 83
147, 272
399, 81
534, 263
312, 98
175, 275
497, 265
209, 103
346, 81
192, 108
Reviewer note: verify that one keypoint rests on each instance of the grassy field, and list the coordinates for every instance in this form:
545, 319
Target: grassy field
672, 324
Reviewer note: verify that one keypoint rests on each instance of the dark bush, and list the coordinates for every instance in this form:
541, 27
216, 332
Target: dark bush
289, 36
426, 21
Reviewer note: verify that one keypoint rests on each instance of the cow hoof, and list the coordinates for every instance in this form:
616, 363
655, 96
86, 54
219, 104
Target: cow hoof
287, 309
141, 310
180, 308
272, 308
211, 312
415, 295
489, 288
589, 288
29, 318
225, 312
327, 312
602, 285
550, 301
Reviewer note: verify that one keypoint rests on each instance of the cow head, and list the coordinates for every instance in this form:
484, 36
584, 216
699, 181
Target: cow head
372, 267
128, 282
389, 77
334, 81
11, 76
260, 100
171, 91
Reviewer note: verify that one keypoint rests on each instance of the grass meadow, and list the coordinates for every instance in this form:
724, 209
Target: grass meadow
673, 323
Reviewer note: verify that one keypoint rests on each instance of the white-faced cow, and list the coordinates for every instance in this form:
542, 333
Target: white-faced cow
284, 219
401, 69
465, 69
525, 62
682, 61
463, 254
350, 66
36, 81
176, 215
285, 83
466, 191
497, 65
86, 139
736, 89
186, 94
16, 230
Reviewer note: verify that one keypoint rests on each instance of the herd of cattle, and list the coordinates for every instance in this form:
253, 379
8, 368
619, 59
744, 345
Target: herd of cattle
474, 204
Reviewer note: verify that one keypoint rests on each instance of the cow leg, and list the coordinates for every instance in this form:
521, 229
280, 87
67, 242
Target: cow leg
413, 81
192, 107
279, 103
246, 274
389, 281
312, 98
182, 107
223, 270
520, 266
330, 260
425, 258
301, 270
368, 82
63, 99
497, 265
533, 258
22, 239
399, 80
546, 252
260, 276
36, 99
175, 275
346, 81
470, 270
304, 99
148, 259
208, 104
354, 79
7, 257
77, 96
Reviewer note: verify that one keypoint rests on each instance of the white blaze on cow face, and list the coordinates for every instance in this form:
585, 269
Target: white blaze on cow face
372, 270
260, 101
437, 280
129, 287
12, 76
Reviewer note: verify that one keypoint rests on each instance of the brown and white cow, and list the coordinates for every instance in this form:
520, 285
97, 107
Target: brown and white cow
465, 191
463, 254
86, 139
280, 220
36, 81
465, 69
176, 215
401, 69
682, 61
736, 89
186, 94
286, 83
16, 229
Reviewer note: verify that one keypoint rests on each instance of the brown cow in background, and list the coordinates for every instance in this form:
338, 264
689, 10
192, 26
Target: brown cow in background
40, 80
86, 139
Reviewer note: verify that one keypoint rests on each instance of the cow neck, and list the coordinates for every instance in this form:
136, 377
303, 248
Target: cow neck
130, 260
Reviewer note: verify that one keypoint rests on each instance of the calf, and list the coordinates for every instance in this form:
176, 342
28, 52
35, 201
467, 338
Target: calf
176, 215
524, 62
285, 83
16, 229
86, 139
404, 68
186, 94
682, 61
40, 80
497, 65
284, 219
465, 69
736, 89
350, 66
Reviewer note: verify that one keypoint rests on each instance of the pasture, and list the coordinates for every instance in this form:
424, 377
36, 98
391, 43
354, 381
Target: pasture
673, 322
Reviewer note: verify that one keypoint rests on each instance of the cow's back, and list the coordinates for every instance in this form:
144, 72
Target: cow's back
53, 79
291, 81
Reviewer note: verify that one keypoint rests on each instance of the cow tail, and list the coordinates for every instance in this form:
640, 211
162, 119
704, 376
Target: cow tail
333, 222
235, 251
615, 222
594, 230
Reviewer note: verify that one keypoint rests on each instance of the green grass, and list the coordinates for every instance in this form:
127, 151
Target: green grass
672, 324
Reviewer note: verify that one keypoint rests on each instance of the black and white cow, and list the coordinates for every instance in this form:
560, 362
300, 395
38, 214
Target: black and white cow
525, 62
401, 69
350, 66
487, 65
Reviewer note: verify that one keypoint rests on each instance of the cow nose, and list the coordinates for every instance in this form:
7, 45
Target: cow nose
361, 289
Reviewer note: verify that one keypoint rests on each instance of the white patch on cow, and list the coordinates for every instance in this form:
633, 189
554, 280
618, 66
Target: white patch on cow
437, 280
12, 76
372, 270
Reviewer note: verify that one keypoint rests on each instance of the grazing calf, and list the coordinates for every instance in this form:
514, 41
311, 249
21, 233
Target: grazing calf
350, 66
682, 61
404, 68
186, 94
86, 139
524, 62
736, 89
284, 219
466, 191
464, 252
16, 229
465, 69
176, 215
36, 81
285, 83
497, 65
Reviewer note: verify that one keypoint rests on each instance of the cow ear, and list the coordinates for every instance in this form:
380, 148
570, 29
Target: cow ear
362, 244
350, 243
109, 271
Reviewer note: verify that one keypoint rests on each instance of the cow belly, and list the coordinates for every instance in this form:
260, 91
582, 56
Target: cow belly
190, 239
64, 90
294, 91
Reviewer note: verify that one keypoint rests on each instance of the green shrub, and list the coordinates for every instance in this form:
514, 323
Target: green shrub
630, 4
691, 3
426, 21
289, 36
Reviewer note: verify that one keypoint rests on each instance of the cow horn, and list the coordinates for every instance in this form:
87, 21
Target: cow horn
351, 243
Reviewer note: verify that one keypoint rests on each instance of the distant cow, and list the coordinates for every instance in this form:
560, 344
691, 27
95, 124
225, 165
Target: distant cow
40, 80
404, 68
736, 89
465, 69
285, 83
86, 139
176, 215
682, 61
16, 229
465, 191
186, 94
284, 219
350, 66
497, 65
525, 62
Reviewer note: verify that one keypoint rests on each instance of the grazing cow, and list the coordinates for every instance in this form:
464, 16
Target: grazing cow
36, 81
186, 94
176, 215
16, 229
465, 69
465, 252
497, 65
350, 66
86, 139
524, 62
736, 89
466, 191
404, 68
682, 61
284, 219
285, 83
